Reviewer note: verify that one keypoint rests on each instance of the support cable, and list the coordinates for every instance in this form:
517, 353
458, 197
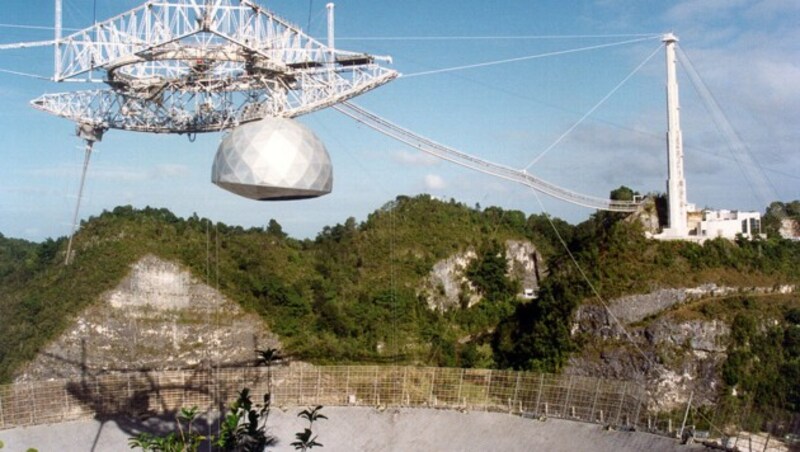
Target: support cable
86, 157
452, 155
24, 74
758, 181
25, 45
593, 109
497, 37
525, 58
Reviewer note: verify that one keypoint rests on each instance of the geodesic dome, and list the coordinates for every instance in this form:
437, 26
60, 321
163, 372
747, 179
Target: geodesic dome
273, 159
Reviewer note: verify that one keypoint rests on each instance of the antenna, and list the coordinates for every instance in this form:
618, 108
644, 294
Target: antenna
331, 42
57, 45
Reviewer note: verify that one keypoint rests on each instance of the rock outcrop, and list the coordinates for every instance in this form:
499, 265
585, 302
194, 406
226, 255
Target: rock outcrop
447, 286
636, 339
159, 317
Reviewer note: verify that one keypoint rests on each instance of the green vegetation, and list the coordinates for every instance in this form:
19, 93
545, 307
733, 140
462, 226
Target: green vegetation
776, 212
762, 370
305, 440
352, 293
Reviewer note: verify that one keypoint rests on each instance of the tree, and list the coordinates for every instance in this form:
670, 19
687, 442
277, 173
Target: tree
488, 273
274, 228
622, 193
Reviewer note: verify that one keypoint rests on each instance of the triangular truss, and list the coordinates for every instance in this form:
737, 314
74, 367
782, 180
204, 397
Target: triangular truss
188, 66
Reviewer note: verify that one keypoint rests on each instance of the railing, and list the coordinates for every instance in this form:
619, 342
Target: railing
210, 389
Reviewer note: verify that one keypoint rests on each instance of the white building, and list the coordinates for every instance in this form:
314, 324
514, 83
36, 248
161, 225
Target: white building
728, 224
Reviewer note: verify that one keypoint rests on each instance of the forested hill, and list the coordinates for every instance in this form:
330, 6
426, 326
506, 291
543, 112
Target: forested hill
352, 293
349, 294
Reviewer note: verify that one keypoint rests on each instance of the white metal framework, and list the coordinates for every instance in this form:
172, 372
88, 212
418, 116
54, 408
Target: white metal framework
188, 66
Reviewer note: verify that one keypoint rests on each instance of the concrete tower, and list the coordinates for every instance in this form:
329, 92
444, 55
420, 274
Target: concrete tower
676, 182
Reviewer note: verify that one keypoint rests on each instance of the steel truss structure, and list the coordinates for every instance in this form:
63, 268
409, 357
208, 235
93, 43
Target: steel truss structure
189, 66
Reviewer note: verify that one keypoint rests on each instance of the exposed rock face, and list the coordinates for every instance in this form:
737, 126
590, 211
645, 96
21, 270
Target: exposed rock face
447, 286
159, 317
673, 357
790, 229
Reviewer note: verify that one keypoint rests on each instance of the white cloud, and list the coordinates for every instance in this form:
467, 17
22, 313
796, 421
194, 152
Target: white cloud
416, 158
169, 171
434, 182
703, 9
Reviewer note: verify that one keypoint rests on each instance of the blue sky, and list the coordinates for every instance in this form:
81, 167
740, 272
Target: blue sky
747, 52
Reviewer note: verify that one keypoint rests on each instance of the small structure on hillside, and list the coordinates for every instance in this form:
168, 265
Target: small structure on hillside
728, 224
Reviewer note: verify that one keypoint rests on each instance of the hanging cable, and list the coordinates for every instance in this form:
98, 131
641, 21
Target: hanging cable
310, 9
760, 184
593, 109
25, 45
469, 161
24, 74
495, 38
525, 58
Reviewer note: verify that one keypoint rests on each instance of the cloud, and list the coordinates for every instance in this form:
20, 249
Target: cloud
169, 171
416, 158
115, 173
703, 10
434, 182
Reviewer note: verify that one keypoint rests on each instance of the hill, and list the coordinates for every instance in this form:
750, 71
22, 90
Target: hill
354, 293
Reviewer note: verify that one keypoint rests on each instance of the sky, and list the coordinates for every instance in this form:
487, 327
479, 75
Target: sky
746, 52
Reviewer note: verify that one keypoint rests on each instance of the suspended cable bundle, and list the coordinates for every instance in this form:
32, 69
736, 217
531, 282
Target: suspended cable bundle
452, 155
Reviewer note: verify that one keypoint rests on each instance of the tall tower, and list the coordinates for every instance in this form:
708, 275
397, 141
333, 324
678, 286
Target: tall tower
676, 182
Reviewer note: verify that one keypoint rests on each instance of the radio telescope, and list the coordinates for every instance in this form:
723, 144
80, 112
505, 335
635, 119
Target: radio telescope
191, 66
195, 66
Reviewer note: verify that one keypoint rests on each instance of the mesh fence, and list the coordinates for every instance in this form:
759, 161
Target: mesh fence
150, 393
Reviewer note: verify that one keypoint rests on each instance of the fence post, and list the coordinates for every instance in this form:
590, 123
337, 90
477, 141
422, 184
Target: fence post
319, 385
375, 400
686, 415
31, 402
129, 394
2, 415
66, 402
594, 400
539, 393
638, 409
621, 402
347, 385
488, 389
433, 380
566, 399
183, 388
516, 389
460, 384
405, 383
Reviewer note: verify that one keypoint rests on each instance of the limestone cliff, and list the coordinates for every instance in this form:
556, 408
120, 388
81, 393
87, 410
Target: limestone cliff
159, 317
447, 286
636, 338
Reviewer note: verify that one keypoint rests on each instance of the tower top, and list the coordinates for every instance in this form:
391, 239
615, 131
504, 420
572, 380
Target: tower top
669, 38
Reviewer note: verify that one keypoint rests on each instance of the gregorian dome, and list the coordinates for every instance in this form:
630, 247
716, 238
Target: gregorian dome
273, 159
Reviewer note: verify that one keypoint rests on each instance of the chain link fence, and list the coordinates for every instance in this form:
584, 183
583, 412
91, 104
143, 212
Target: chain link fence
141, 394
